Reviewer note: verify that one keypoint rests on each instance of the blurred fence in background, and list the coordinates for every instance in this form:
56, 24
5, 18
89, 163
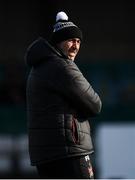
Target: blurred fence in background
114, 81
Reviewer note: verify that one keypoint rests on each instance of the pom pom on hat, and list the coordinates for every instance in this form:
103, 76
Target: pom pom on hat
61, 16
64, 29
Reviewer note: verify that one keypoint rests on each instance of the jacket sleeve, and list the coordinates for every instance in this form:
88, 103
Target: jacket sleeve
78, 90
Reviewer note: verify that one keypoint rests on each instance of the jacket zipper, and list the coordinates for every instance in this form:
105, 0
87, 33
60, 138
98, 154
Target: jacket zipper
75, 134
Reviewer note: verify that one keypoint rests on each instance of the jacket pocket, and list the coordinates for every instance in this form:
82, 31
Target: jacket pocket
75, 133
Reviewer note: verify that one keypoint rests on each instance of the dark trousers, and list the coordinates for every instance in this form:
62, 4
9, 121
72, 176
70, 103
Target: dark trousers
69, 168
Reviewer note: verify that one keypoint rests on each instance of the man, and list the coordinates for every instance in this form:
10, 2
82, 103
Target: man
59, 102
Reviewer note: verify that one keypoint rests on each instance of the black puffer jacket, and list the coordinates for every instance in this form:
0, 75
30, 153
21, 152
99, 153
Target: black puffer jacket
59, 101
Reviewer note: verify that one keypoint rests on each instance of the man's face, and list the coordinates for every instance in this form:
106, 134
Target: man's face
70, 47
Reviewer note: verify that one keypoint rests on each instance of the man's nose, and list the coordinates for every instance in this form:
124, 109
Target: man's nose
75, 44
